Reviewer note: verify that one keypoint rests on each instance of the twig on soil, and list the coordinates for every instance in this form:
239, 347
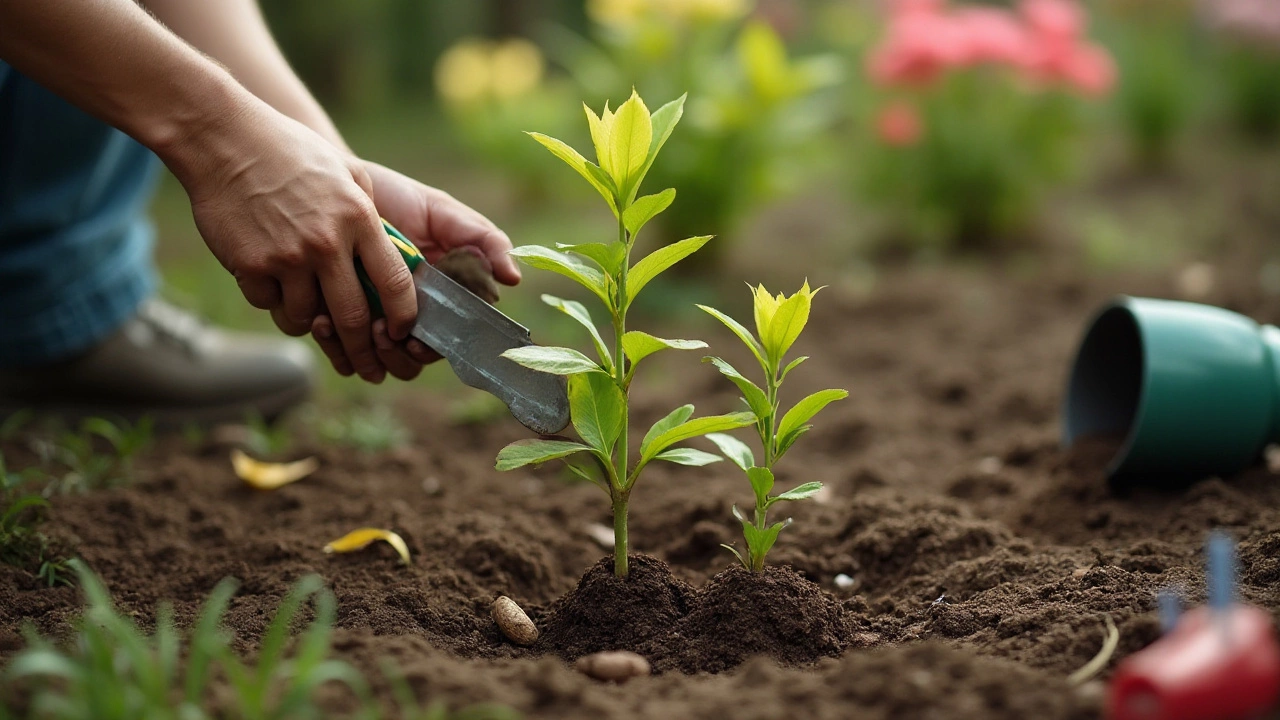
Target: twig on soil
1099, 661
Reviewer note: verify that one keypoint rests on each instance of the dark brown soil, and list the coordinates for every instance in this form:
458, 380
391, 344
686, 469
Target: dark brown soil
984, 557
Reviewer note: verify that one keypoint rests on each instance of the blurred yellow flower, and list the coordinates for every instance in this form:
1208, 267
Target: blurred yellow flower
628, 12
516, 67
475, 70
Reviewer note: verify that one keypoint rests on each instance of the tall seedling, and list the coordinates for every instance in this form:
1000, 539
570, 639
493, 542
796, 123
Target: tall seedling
626, 143
779, 322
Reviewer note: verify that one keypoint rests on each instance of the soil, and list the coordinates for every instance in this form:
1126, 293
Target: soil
984, 557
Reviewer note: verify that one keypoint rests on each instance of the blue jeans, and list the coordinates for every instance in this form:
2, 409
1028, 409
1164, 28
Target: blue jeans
75, 240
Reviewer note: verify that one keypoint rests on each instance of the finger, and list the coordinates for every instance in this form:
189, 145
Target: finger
261, 292
389, 273
323, 332
454, 224
351, 317
393, 355
300, 305
419, 351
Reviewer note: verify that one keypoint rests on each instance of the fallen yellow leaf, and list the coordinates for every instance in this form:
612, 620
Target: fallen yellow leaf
358, 539
269, 476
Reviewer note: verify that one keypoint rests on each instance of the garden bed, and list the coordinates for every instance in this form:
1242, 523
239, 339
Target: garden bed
983, 557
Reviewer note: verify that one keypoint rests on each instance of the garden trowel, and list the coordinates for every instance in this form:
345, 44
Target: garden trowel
472, 335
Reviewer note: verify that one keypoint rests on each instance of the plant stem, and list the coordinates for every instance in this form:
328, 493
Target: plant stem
620, 493
620, 534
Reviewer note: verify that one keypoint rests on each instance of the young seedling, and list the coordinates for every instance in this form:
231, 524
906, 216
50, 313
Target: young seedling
626, 143
779, 322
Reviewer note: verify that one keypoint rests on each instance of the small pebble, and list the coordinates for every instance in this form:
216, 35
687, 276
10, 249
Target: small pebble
990, 465
431, 485
613, 665
1272, 454
513, 622
601, 534
844, 582
1196, 280
1080, 572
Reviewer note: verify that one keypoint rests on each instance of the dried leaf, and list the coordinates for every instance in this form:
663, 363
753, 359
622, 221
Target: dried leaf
359, 539
269, 476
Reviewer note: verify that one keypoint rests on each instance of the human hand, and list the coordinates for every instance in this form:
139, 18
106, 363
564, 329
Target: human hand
286, 212
438, 224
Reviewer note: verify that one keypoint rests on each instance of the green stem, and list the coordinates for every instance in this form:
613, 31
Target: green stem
768, 439
621, 493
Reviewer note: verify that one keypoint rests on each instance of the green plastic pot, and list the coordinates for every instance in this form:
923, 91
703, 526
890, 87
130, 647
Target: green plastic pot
1194, 390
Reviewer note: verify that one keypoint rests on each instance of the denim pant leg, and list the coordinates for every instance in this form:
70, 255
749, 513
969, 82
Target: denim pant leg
75, 241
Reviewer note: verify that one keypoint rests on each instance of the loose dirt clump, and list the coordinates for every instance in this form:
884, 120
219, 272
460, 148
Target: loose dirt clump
606, 612
740, 614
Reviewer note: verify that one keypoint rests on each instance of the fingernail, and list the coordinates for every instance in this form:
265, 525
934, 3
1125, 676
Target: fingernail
380, 337
324, 332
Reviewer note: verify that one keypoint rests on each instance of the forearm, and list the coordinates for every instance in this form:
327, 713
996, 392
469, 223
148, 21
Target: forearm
235, 34
114, 61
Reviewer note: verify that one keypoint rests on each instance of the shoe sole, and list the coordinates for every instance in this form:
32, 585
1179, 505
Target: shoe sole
268, 407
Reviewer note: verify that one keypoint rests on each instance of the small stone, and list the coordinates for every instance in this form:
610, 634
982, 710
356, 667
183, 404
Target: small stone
1080, 572
1196, 280
513, 622
1272, 453
844, 582
431, 485
613, 665
990, 465
601, 534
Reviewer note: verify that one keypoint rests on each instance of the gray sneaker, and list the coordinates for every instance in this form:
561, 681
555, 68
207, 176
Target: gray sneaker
168, 364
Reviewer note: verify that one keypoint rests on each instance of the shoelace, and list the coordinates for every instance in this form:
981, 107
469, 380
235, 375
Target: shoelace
173, 324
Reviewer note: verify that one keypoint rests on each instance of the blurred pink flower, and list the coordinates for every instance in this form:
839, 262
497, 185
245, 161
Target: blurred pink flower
992, 35
905, 7
1053, 21
898, 124
1091, 70
919, 46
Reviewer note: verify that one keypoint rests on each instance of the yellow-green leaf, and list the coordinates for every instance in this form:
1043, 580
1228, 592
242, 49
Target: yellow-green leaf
804, 410
629, 139
597, 407
658, 261
696, 428
764, 306
738, 329
600, 136
645, 208
672, 419
360, 539
574, 159
576, 311
545, 258
664, 121
639, 345
788, 321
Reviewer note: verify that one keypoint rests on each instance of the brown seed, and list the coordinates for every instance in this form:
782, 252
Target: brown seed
613, 665
512, 621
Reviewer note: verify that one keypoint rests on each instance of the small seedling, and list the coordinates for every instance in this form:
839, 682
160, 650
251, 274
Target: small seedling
371, 429
21, 512
626, 143
112, 668
779, 322
87, 466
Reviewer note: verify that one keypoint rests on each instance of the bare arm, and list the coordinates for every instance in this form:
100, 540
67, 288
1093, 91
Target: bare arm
234, 32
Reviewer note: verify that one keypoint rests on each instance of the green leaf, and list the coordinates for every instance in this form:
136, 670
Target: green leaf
673, 418
786, 441
528, 452
736, 554
664, 120
807, 408
629, 141
16, 508
645, 209
554, 360
734, 449
738, 514
791, 366
743, 334
575, 310
761, 541
545, 258
600, 137
688, 456
800, 492
639, 345
658, 261
574, 159
608, 256
598, 409
756, 398
787, 323
761, 482
695, 428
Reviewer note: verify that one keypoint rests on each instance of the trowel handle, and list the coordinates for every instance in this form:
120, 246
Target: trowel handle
408, 251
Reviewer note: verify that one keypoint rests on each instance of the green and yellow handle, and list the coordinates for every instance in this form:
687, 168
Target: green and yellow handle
412, 257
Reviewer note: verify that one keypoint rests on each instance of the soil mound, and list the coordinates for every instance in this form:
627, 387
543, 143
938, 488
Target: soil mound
609, 613
740, 614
